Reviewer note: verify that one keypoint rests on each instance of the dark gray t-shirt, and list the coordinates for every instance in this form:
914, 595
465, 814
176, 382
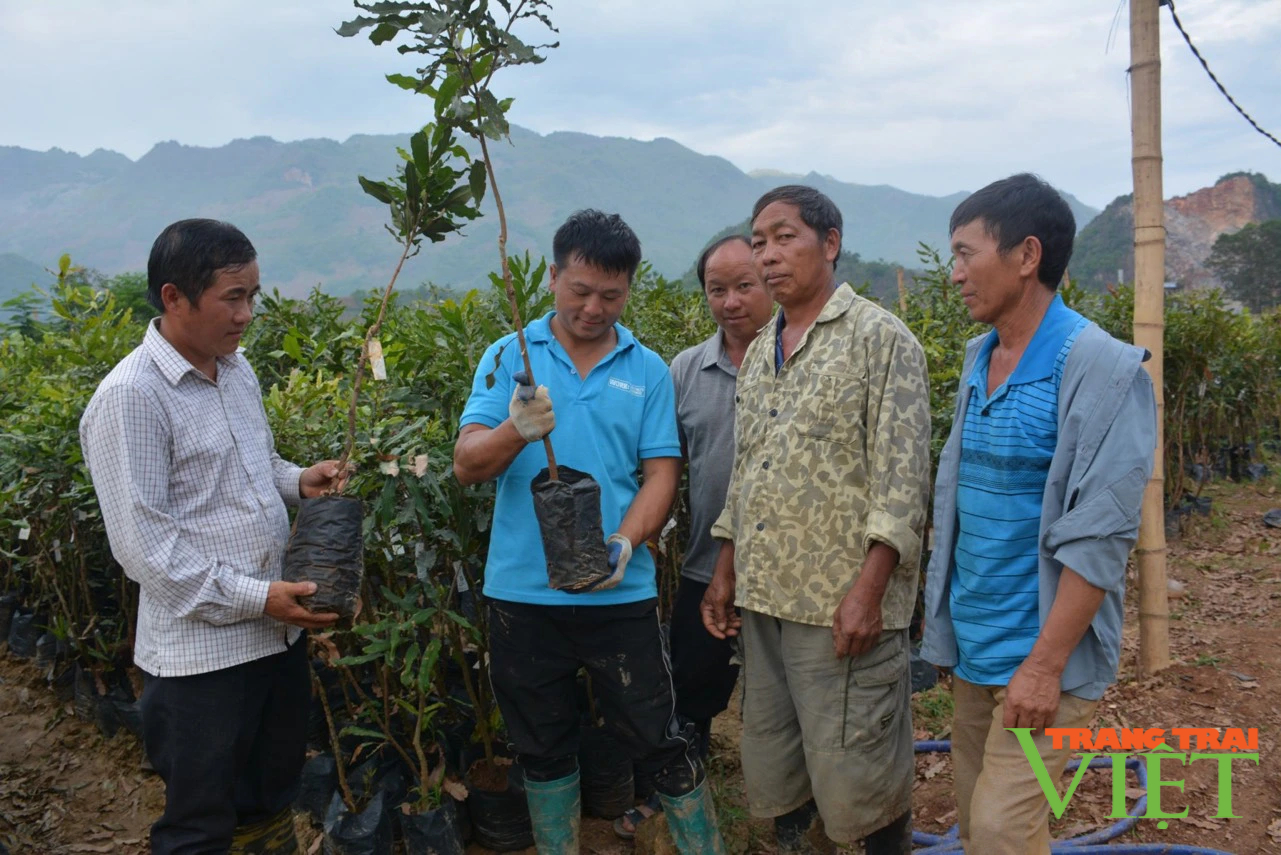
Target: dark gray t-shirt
704, 378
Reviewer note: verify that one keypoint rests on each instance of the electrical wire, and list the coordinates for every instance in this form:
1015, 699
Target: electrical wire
1179, 26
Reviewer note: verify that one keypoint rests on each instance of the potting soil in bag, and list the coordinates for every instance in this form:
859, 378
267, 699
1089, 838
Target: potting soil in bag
606, 769
496, 804
436, 832
23, 633
63, 683
111, 710
85, 694
316, 786
8, 605
48, 650
381, 773
327, 547
129, 713
569, 520
500, 821
364, 833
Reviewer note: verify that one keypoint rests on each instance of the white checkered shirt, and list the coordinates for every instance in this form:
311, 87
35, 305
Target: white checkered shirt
193, 497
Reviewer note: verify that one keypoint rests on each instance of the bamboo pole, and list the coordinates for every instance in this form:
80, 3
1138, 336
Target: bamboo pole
1149, 318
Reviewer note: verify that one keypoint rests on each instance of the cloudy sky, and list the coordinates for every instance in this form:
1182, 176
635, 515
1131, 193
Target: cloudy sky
926, 95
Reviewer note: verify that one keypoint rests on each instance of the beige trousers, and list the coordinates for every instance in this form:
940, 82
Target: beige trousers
835, 730
1001, 807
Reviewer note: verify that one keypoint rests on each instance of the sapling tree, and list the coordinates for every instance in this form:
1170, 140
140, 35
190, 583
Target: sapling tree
463, 45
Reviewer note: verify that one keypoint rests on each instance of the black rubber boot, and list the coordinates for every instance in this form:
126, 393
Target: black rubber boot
791, 828
893, 839
703, 738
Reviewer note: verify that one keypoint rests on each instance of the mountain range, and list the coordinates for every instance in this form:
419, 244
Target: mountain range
301, 205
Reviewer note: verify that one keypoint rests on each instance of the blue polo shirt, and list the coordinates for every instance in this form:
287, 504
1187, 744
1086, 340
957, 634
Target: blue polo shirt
621, 413
1007, 442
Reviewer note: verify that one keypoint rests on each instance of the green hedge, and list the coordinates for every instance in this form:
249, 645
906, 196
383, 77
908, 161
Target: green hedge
426, 536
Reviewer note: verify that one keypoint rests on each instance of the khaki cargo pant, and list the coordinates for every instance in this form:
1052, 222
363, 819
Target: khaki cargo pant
1001, 807
836, 730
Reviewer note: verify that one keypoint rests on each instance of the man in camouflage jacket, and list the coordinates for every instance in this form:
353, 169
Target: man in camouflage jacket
822, 534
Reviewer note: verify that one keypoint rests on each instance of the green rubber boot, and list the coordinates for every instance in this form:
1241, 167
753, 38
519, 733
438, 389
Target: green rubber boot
691, 819
555, 808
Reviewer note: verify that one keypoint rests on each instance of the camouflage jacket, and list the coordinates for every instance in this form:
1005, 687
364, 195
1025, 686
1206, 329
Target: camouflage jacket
831, 454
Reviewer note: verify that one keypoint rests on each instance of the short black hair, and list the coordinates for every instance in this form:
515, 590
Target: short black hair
817, 211
599, 239
711, 250
1016, 208
189, 253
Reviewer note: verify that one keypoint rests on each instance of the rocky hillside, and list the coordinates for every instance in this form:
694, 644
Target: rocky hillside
1192, 223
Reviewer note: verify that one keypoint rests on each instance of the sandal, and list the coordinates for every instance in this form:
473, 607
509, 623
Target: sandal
636, 815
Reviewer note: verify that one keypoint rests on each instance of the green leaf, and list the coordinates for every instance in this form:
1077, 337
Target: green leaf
498, 361
353, 730
477, 180
420, 145
291, 347
353, 27
445, 96
430, 657
404, 81
433, 22
384, 32
377, 189
493, 123
481, 69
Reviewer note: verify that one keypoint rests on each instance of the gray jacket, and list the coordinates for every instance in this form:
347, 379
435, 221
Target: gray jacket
1090, 510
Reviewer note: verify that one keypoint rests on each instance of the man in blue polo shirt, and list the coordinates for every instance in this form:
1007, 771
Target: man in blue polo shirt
1036, 509
614, 416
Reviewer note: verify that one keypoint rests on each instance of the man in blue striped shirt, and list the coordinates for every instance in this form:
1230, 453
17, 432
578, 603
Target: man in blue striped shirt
1007, 441
1036, 508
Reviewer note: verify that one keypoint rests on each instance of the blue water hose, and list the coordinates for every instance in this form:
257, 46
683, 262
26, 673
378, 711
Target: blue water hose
1094, 843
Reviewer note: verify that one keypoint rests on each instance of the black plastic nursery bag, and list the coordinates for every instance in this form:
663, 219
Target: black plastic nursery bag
569, 519
327, 547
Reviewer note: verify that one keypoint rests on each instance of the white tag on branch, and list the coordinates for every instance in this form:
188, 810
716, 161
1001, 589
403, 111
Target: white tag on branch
23, 534
389, 467
376, 360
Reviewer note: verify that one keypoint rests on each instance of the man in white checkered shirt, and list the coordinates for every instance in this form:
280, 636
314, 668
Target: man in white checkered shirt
193, 497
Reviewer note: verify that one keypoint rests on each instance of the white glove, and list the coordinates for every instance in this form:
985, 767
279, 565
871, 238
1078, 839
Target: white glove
531, 409
619, 549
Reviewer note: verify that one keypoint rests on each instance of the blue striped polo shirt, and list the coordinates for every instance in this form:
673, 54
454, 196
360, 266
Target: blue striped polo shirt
1007, 442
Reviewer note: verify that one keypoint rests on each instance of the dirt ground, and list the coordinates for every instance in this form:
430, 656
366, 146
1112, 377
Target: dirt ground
66, 789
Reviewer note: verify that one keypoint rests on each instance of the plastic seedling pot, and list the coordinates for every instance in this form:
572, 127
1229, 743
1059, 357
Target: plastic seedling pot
569, 520
327, 547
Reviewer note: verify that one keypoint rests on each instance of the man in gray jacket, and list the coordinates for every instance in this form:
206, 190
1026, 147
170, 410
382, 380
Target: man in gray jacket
1036, 510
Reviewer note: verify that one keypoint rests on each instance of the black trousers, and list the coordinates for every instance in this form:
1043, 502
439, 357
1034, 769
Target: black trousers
535, 653
701, 666
229, 745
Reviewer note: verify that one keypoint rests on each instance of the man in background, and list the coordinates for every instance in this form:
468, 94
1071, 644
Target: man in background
704, 377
